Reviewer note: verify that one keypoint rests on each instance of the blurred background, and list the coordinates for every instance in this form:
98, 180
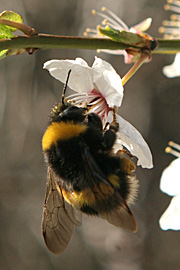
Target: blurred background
27, 93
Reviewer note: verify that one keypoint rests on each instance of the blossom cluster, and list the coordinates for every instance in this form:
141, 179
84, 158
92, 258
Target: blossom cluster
112, 20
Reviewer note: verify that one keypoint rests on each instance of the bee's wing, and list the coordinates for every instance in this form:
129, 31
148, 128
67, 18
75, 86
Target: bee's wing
59, 218
121, 217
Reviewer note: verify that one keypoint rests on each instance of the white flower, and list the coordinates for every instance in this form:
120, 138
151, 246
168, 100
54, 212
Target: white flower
131, 138
173, 70
171, 30
170, 179
170, 220
170, 184
100, 87
112, 20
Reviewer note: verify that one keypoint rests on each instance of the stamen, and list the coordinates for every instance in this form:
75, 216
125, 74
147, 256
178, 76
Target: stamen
166, 36
93, 33
175, 145
94, 108
168, 30
173, 8
102, 112
175, 17
106, 22
95, 102
166, 7
161, 30
103, 9
176, 151
170, 23
113, 15
169, 150
74, 96
174, 2
89, 30
120, 24
93, 12
76, 100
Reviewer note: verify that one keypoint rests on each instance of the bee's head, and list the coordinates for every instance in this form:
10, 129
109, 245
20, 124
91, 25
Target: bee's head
73, 113
63, 112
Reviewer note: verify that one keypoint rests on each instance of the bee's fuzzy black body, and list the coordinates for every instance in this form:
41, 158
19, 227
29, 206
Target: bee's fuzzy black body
80, 153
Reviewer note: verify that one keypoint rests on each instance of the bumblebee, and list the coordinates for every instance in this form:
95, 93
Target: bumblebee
84, 175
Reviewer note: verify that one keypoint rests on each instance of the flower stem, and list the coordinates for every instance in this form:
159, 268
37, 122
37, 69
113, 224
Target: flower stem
133, 70
44, 41
27, 30
167, 46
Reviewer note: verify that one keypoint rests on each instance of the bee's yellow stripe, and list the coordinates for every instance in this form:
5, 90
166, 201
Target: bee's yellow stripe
91, 197
61, 131
114, 179
78, 199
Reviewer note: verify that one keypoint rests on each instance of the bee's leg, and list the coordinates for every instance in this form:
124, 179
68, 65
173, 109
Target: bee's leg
94, 120
110, 135
123, 152
127, 166
109, 138
114, 125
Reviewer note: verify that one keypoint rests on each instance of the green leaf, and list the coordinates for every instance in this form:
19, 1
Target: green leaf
3, 54
5, 32
122, 36
11, 16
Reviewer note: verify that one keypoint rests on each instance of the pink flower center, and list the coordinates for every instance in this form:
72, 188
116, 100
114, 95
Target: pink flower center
94, 101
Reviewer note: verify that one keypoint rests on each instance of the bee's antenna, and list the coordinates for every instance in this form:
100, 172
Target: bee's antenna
65, 87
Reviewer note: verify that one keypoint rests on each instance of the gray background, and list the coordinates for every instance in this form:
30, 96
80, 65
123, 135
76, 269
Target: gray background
27, 93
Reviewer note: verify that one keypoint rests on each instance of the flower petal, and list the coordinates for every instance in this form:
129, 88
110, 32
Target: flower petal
133, 141
142, 26
173, 70
81, 74
108, 82
170, 179
170, 220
